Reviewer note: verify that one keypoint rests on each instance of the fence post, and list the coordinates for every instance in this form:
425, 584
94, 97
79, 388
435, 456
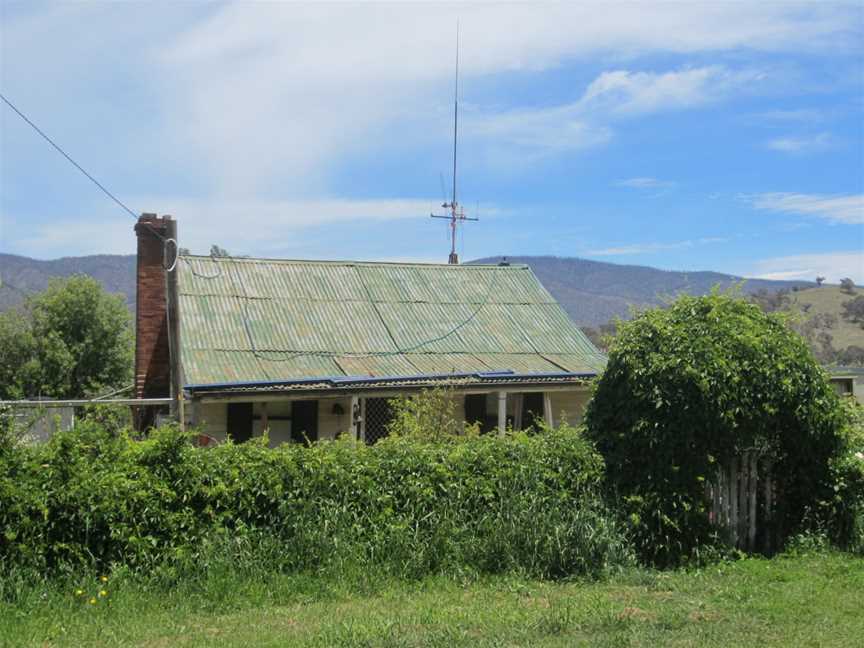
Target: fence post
733, 499
754, 490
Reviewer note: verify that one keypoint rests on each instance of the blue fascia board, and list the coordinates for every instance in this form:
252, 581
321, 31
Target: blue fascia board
344, 381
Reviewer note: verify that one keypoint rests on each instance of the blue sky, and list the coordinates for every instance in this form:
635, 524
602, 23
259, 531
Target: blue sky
697, 136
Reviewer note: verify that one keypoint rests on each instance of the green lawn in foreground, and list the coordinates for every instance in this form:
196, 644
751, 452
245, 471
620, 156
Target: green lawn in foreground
813, 600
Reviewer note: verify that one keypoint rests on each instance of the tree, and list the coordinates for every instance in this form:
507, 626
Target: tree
847, 286
853, 309
19, 367
689, 388
851, 356
820, 281
603, 335
771, 301
71, 341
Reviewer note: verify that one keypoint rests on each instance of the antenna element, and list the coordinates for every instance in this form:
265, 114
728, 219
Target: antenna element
457, 214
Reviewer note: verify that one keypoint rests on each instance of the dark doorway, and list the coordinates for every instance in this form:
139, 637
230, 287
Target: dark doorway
377, 416
304, 421
477, 411
532, 410
239, 422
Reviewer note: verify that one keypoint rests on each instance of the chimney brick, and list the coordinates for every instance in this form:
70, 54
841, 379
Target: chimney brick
152, 357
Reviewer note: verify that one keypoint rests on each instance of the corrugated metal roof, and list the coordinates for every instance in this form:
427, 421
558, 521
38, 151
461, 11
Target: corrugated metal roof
263, 320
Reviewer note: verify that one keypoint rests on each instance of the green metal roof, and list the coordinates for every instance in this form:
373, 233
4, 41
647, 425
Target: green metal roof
251, 320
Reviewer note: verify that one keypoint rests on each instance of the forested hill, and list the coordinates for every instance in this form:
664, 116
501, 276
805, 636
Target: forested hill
593, 292
20, 276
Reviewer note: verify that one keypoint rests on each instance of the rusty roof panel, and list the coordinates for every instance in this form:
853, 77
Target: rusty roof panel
203, 366
445, 363
389, 365
523, 363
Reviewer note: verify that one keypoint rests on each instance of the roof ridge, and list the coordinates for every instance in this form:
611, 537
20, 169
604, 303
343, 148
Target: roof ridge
349, 262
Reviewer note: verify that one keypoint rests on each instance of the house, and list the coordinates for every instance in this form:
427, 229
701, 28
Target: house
848, 381
315, 349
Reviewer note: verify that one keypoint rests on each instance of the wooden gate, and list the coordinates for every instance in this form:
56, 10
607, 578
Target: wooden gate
743, 501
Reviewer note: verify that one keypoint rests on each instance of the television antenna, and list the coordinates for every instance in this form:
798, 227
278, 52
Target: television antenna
456, 214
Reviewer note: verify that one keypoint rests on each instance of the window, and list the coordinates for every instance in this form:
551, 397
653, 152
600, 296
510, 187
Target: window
377, 418
522, 410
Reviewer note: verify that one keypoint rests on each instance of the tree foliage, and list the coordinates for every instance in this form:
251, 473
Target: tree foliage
689, 387
73, 340
853, 310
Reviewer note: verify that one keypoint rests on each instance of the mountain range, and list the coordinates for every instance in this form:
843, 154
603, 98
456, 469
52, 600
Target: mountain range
592, 292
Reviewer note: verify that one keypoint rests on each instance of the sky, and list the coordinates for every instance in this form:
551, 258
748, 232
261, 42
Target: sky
724, 136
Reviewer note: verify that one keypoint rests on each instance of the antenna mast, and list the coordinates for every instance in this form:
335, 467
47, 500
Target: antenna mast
457, 214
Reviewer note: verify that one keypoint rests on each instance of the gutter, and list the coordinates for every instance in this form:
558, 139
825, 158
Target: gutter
343, 382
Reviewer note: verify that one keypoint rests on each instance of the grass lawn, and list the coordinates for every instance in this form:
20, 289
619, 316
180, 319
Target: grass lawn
812, 600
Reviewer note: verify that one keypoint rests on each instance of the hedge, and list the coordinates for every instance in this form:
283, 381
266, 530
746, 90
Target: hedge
89, 499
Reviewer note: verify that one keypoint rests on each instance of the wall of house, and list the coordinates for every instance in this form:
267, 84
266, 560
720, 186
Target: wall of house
331, 424
569, 406
211, 417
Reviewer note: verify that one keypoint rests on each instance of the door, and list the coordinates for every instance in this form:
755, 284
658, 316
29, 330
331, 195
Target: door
239, 422
477, 411
532, 410
304, 421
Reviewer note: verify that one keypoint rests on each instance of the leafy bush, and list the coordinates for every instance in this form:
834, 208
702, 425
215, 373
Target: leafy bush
687, 389
90, 499
430, 415
842, 514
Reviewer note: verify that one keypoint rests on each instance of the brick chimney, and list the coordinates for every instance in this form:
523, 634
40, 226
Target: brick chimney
152, 349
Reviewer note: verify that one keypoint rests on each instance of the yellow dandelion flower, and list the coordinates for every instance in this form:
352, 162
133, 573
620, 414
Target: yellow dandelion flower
92, 601
79, 592
103, 593
104, 579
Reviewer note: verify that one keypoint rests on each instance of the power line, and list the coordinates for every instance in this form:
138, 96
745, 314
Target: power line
292, 354
68, 157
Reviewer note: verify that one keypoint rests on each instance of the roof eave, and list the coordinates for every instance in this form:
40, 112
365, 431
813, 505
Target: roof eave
358, 383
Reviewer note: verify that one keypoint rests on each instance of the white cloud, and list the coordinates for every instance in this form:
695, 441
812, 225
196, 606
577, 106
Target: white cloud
246, 104
646, 183
283, 90
544, 131
846, 209
816, 143
587, 122
832, 265
623, 92
254, 226
648, 248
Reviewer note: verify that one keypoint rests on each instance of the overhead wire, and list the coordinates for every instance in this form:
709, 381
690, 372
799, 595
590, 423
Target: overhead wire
290, 354
68, 157
246, 318
88, 175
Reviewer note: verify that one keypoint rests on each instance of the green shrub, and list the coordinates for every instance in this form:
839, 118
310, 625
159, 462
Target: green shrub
842, 513
690, 387
92, 499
